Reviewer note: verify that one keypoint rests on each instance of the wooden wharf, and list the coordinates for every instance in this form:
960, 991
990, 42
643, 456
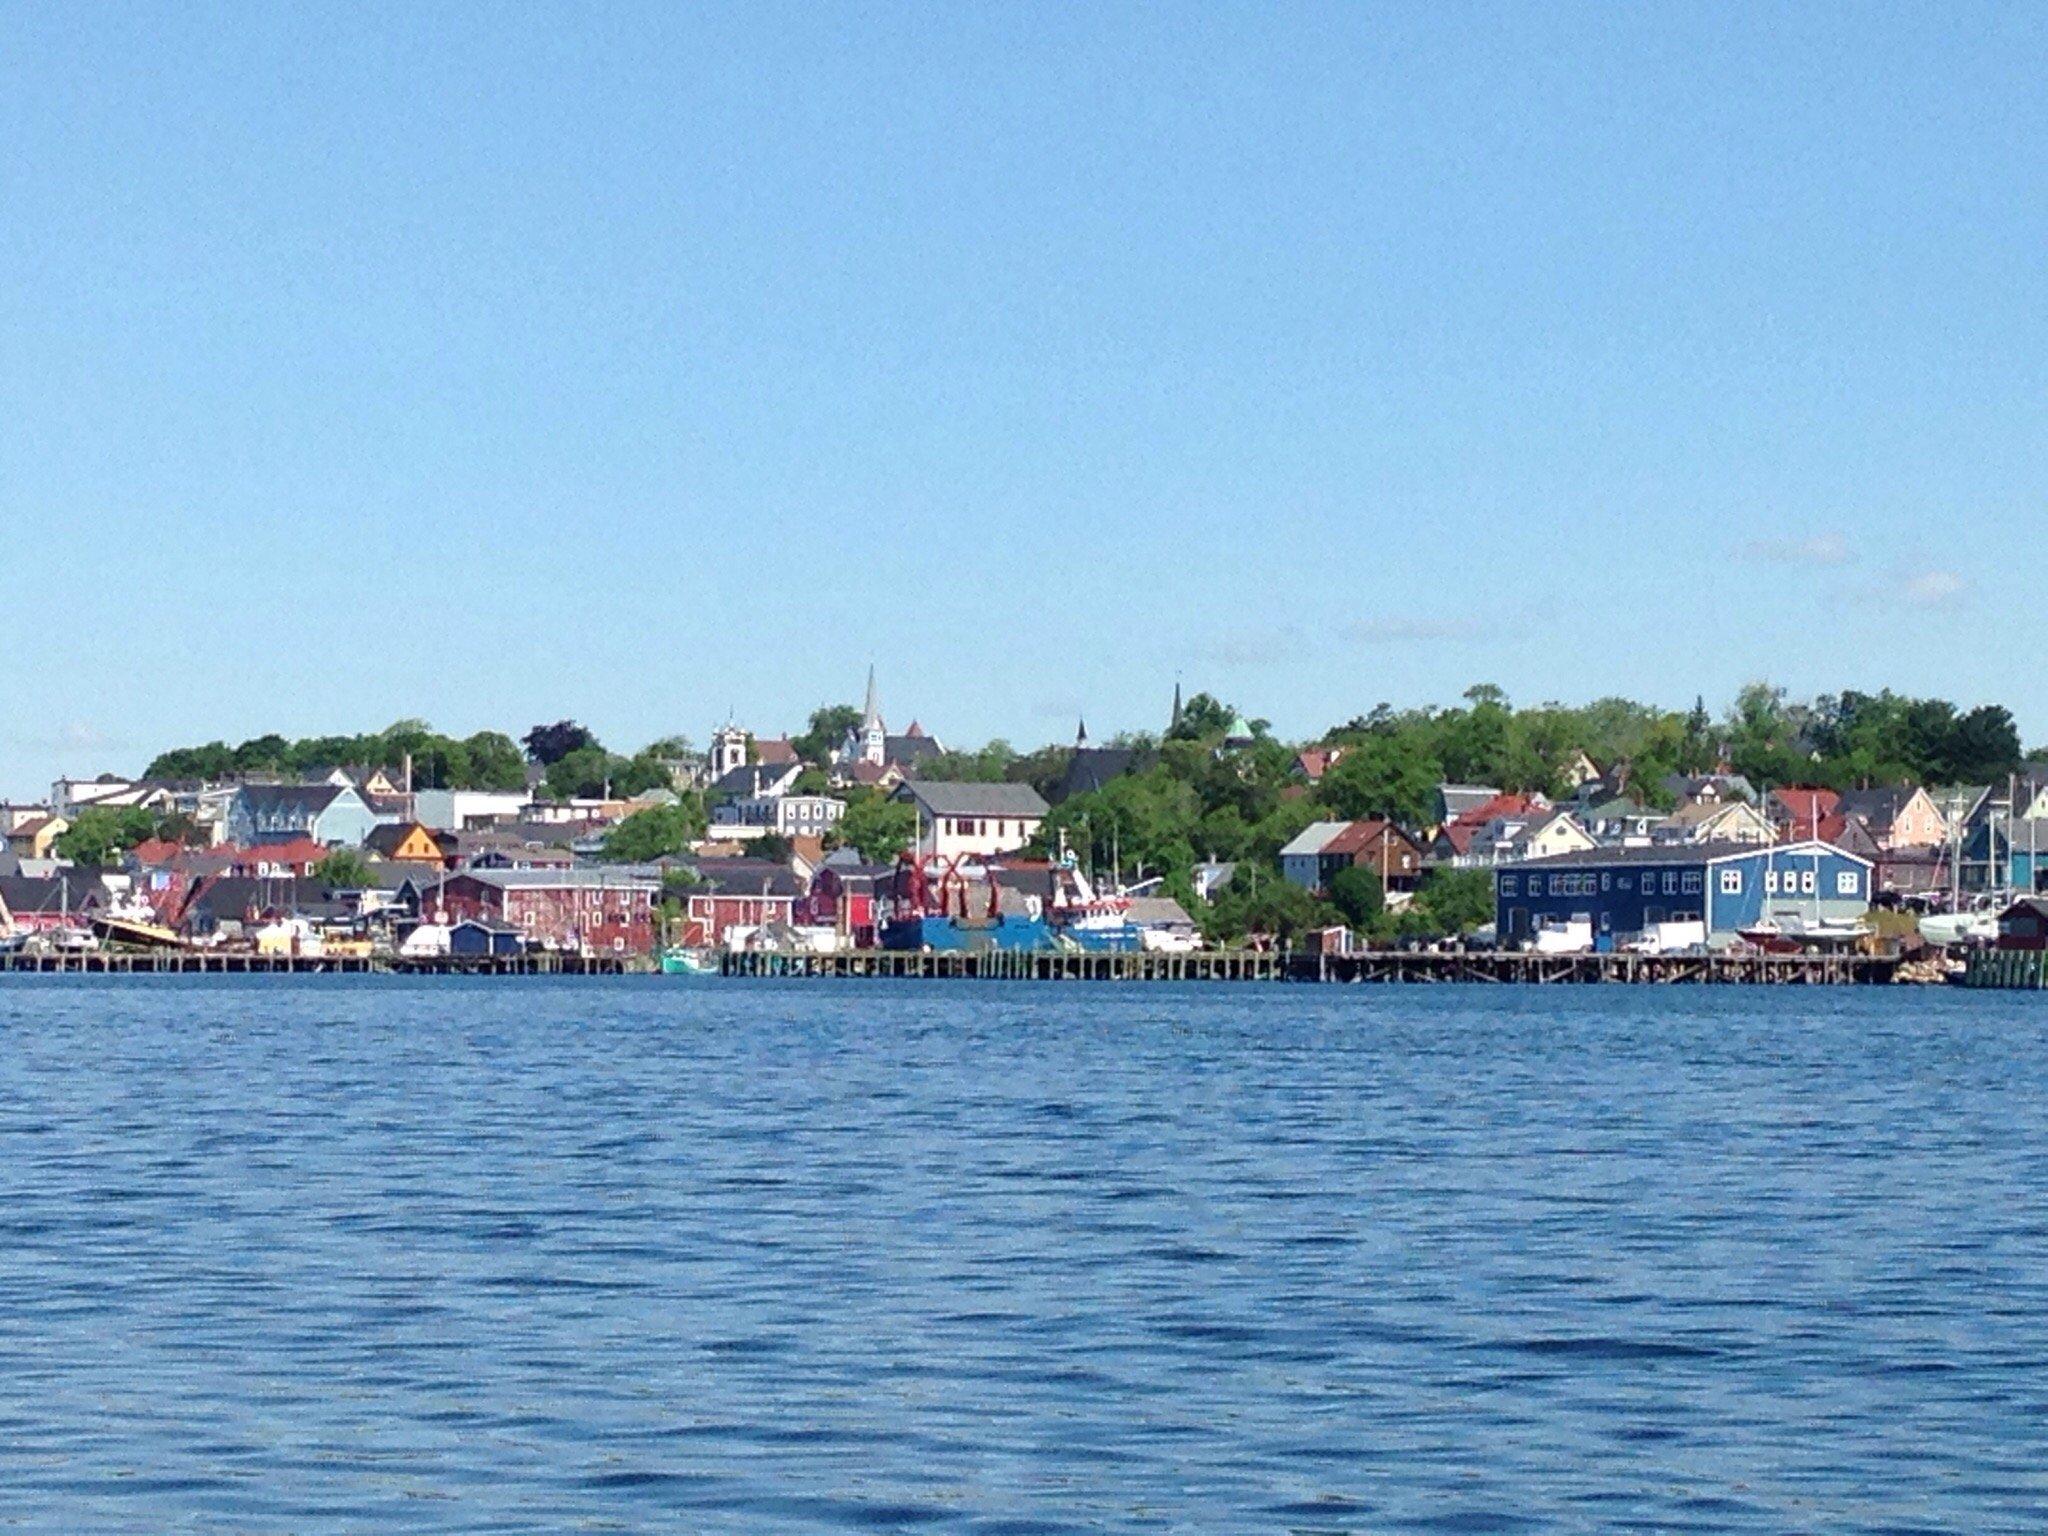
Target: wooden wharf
197, 962
1387, 966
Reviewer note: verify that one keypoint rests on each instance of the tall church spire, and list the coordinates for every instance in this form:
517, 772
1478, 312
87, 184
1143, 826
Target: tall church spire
874, 735
1174, 724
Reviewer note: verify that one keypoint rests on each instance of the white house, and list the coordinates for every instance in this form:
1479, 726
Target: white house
457, 810
956, 820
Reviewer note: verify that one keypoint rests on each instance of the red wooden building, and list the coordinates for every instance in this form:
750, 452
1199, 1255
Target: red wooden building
572, 909
737, 893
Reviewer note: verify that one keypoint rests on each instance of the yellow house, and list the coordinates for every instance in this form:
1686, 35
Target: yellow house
1559, 832
1717, 821
35, 837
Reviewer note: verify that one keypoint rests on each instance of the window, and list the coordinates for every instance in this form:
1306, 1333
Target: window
1692, 882
1771, 881
1606, 882
1731, 880
1806, 882
1846, 883
1670, 882
1509, 884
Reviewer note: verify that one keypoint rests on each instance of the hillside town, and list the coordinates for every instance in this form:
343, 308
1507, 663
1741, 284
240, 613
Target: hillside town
853, 835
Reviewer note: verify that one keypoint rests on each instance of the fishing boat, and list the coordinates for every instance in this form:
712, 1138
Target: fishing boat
132, 924
682, 961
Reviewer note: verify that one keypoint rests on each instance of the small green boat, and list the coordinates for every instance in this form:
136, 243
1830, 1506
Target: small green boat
688, 962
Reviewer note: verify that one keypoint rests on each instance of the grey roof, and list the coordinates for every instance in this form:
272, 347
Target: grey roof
1089, 768
307, 800
1687, 786
938, 797
607, 877
1877, 808
1158, 912
750, 780
907, 751
233, 897
52, 893
1669, 853
1312, 838
747, 877
1456, 799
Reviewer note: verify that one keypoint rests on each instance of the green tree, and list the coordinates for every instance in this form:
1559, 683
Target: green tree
1454, 900
549, 744
270, 753
1203, 718
1382, 776
101, 834
660, 832
343, 870
583, 773
828, 728
214, 760
874, 826
1265, 909
495, 762
1356, 892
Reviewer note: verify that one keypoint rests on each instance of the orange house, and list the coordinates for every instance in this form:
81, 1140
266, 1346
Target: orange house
407, 842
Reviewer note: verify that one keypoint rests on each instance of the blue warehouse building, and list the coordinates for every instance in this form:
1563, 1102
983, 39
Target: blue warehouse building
1622, 892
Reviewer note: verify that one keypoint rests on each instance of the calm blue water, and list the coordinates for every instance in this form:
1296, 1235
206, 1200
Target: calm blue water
321, 1256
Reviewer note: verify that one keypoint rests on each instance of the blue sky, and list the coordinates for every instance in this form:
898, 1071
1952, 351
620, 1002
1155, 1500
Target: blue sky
495, 364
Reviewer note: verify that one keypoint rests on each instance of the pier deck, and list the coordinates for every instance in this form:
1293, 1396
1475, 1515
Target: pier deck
1375, 966
215, 963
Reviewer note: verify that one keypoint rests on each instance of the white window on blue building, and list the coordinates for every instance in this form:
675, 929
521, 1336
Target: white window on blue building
1692, 882
1509, 884
1731, 880
1606, 882
1806, 882
1670, 882
1845, 883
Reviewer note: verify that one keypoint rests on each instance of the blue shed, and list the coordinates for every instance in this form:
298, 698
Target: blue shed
1622, 892
476, 937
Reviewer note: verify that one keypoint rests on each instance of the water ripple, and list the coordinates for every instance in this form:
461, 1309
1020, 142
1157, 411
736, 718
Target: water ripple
401, 1256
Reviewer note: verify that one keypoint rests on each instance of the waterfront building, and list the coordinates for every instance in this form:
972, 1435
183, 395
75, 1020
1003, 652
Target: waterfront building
479, 937
2000, 852
737, 894
2024, 924
1620, 893
573, 909
972, 820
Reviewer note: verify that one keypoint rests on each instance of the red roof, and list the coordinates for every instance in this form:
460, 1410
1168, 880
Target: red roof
1358, 837
1513, 804
299, 851
1803, 806
774, 749
1314, 762
154, 851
